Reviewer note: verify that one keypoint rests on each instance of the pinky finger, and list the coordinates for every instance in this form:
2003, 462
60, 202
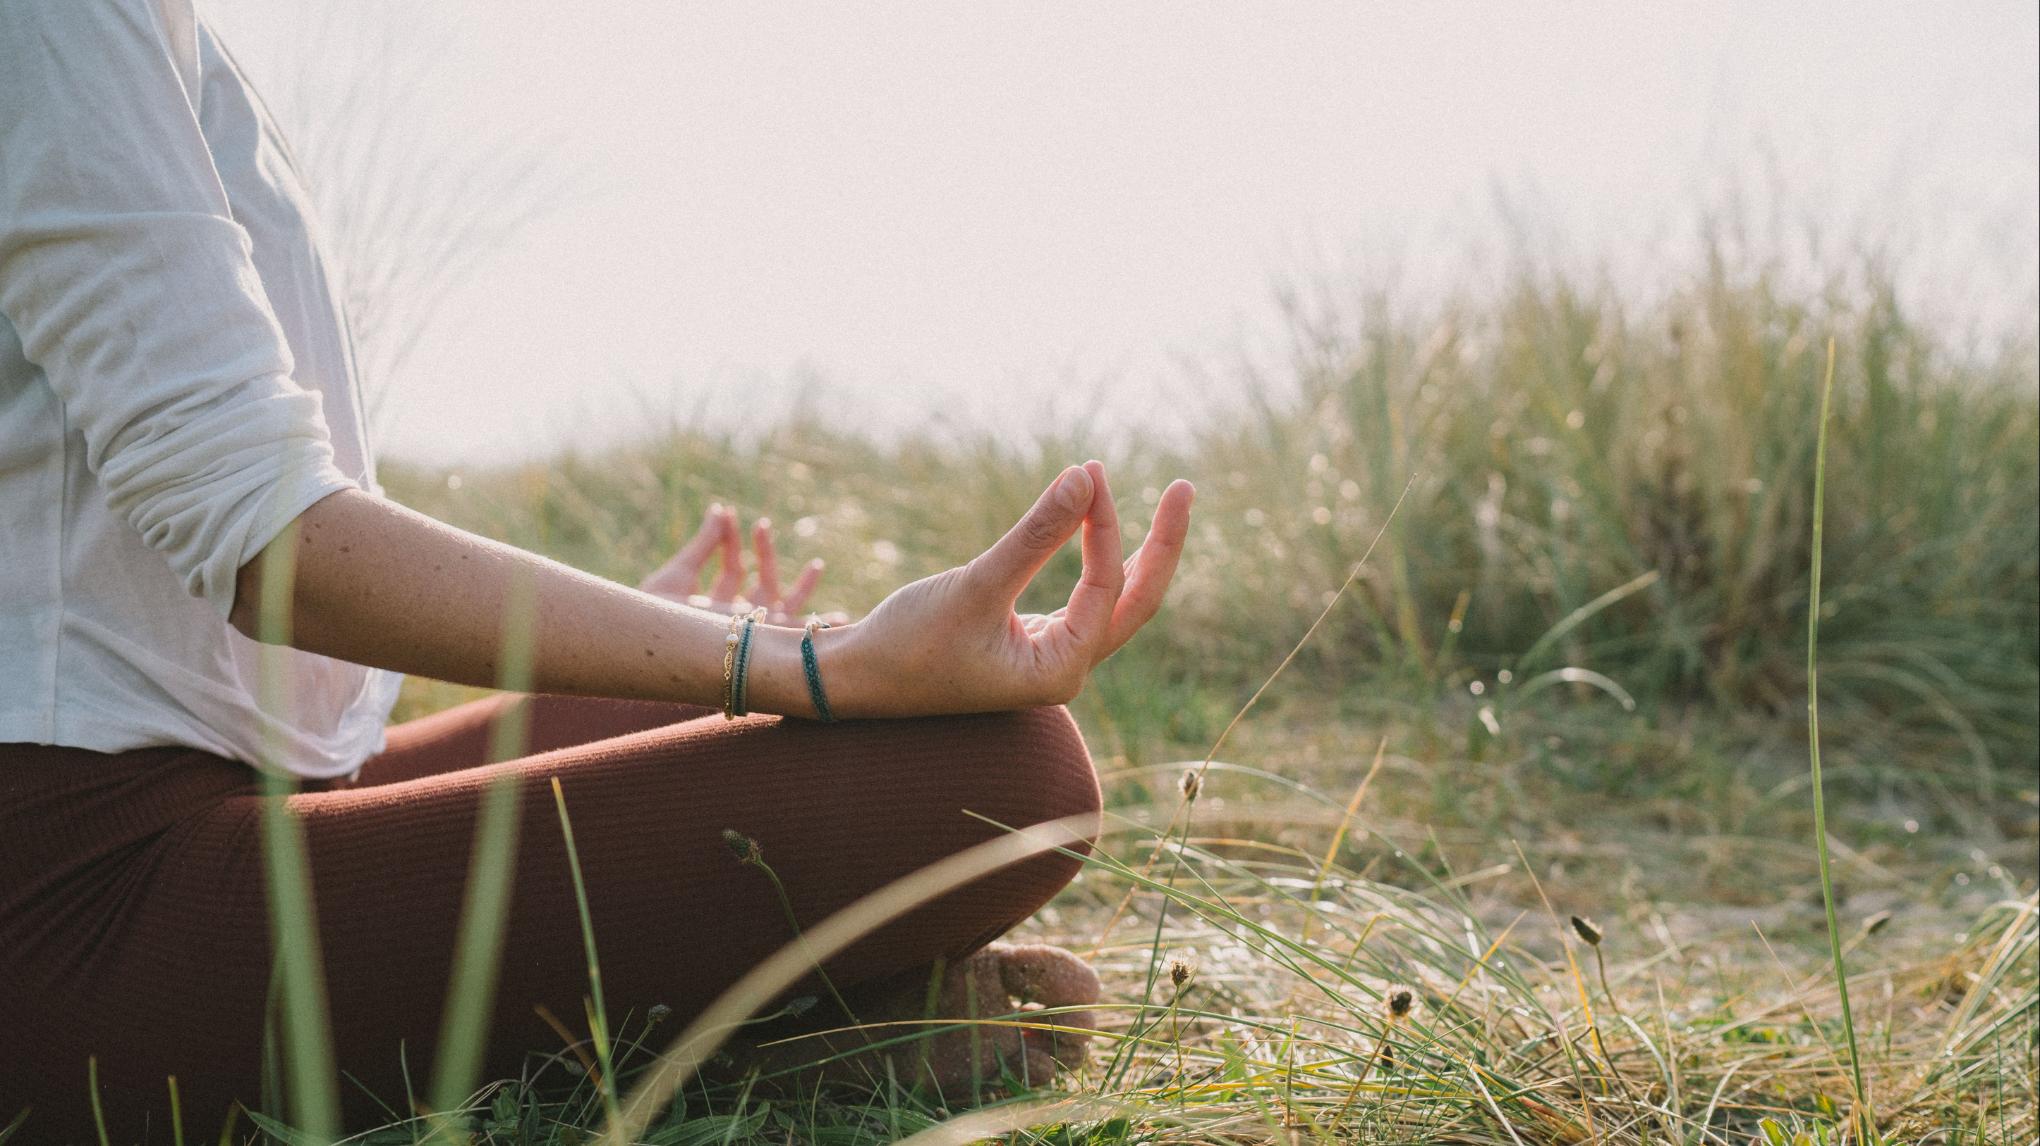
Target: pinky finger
1148, 578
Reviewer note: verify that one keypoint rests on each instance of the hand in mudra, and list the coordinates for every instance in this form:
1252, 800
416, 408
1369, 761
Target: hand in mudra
952, 642
679, 579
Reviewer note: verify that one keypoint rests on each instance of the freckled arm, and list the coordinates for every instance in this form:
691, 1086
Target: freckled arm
372, 582
378, 584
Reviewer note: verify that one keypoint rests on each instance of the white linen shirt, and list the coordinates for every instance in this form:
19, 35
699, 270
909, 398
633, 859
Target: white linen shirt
176, 384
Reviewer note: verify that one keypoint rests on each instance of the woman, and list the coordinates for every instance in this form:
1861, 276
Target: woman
181, 440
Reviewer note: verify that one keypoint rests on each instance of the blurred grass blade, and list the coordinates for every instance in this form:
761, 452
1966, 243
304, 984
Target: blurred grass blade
478, 950
1574, 675
464, 1028
1000, 1121
311, 1085
1582, 615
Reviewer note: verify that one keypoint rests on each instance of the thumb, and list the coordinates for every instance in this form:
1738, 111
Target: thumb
1014, 559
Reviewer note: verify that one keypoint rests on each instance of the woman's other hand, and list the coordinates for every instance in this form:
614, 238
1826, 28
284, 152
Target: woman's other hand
952, 642
719, 537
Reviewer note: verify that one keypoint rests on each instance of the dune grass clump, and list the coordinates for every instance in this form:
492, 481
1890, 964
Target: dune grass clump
1642, 478
1556, 710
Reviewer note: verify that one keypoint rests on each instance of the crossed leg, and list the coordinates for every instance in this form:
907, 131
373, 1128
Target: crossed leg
180, 960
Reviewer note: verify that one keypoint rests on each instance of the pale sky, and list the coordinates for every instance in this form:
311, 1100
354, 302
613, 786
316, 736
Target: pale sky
988, 212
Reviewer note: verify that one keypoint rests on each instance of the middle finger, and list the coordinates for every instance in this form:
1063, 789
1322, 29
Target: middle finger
768, 562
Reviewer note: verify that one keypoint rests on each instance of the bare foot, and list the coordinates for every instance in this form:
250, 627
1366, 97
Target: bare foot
1002, 980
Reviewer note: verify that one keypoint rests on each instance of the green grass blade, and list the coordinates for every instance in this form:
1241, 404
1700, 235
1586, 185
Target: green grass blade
1827, 883
598, 1012
98, 1113
176, 1114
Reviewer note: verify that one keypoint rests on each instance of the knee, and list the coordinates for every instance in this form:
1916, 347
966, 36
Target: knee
1045, 771
1041, 773
974, 778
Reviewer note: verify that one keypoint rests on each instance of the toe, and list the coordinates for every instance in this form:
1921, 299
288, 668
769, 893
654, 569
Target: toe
1049, 975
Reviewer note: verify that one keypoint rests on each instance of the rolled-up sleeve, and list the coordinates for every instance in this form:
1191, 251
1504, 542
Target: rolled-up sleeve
132, 288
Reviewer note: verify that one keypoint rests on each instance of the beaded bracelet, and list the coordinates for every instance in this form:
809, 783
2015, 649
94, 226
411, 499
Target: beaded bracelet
740, 678
814, 671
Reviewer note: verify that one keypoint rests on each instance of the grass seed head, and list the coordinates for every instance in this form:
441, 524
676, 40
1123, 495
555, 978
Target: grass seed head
1587, 929
1180, 971
1191, 784
1400, 1001
742, 846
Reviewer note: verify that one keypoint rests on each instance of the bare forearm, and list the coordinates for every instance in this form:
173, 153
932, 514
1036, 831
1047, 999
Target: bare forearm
379, 585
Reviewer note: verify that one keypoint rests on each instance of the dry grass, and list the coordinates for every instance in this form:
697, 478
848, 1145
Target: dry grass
1285, 1029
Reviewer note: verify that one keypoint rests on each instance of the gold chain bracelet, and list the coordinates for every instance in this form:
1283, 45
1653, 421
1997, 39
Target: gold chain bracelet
729, 667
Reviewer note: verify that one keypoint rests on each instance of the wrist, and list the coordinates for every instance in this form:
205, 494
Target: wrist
775, 681
842, 654
777, 678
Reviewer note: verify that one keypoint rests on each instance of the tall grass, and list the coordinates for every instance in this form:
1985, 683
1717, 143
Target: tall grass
1569, 445
1615, 514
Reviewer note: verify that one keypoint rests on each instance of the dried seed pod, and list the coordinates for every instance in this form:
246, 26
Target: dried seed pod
1400, 1001
1587, 929
1191, 784
1180, 971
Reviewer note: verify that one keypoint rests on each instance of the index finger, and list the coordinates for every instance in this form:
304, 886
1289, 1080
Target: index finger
1014, 559
729, 584
681, 573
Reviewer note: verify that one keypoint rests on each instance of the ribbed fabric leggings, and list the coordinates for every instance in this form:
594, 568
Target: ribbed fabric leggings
134, 927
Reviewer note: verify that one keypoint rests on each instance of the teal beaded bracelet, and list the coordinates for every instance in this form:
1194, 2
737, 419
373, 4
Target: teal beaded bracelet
814, 672
740, 681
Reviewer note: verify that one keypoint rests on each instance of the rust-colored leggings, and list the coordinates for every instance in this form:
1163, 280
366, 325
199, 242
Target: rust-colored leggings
133, 924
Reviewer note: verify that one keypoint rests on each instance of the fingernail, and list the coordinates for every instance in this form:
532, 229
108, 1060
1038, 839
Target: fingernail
1074, 487
764, 523
817, 564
